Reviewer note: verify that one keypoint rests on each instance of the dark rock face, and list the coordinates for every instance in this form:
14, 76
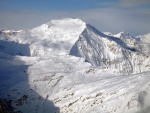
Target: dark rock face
5, 106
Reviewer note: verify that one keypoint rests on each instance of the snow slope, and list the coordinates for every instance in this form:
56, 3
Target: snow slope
145, 38
67, 66
55, 37
120, 51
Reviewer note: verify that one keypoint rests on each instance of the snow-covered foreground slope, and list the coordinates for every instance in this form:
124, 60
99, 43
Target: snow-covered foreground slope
67, 66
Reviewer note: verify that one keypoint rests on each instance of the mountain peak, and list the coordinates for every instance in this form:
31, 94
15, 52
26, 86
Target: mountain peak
144, 38
58, 35
65, 21
63, 26
123, 34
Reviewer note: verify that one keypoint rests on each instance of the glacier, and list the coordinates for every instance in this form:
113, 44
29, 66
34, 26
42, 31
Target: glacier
68, 66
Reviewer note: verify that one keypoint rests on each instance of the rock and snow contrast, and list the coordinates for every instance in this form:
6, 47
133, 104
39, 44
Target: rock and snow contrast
68, 66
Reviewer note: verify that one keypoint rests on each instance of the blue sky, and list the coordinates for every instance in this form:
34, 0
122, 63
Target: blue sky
132, 16
51, 5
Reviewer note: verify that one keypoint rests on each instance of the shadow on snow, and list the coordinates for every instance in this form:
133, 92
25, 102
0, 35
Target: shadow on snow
14, 82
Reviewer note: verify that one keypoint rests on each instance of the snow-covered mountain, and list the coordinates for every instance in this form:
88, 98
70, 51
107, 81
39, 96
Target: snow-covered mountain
121, 51
68, 66
144, 38
53, 38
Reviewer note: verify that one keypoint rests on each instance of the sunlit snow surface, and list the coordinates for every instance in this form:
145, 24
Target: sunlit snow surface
68, 66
